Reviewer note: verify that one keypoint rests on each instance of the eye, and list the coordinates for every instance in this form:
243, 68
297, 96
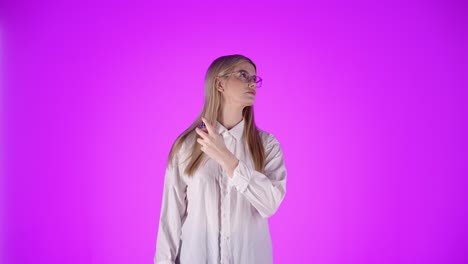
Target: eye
244, 76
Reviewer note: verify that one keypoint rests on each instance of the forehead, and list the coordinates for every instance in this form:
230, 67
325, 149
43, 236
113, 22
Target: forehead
246, 66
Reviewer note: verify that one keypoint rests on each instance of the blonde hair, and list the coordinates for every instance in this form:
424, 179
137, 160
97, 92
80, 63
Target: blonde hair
212, 110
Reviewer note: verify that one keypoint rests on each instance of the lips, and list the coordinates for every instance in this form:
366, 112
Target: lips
251, 92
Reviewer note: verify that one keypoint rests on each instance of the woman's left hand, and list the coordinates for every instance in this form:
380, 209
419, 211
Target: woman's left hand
212, 144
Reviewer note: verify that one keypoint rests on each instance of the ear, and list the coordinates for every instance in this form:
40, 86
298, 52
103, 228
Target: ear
219, 84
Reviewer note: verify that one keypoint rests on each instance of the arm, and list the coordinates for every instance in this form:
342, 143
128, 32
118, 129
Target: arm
265, 191
172, 213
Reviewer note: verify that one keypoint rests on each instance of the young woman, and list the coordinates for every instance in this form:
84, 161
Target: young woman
224, 179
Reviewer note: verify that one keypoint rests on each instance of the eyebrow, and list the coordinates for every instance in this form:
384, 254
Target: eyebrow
245, 71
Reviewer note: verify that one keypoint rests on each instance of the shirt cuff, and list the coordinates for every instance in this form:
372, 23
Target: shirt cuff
241, 177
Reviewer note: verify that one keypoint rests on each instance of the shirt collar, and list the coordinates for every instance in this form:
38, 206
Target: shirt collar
236, 131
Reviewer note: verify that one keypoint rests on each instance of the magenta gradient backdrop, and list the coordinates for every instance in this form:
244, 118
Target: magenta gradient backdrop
367, 98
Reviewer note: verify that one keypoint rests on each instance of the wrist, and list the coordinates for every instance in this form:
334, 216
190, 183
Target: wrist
230, 164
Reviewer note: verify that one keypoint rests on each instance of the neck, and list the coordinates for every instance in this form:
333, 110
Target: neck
230, 117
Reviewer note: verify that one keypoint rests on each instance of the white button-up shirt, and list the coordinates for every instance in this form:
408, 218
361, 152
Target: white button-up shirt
213, 218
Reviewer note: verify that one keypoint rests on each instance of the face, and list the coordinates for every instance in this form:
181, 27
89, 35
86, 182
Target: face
235, 90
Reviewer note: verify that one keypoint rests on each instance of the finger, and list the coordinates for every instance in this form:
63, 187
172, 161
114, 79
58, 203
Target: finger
200, 132
208, 125
199, 140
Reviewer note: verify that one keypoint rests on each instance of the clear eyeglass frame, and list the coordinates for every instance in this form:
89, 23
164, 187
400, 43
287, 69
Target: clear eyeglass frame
244, 77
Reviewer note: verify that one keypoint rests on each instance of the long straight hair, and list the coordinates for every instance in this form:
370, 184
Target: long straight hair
212, 110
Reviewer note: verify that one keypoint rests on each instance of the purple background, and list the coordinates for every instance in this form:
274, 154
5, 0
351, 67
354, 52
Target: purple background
367, 98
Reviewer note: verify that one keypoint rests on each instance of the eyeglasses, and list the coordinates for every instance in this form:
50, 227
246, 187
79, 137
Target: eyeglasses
245, 77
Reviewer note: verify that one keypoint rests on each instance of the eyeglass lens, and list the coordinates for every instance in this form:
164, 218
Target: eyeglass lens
247, 78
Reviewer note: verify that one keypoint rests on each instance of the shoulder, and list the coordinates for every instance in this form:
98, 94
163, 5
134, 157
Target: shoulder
184, 148
187, 146
269, 140
272, 146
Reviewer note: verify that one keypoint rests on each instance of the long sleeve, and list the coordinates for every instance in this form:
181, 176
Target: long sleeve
265, 191
173, 210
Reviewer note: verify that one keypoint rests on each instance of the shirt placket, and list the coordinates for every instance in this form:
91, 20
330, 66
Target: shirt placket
225, 229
